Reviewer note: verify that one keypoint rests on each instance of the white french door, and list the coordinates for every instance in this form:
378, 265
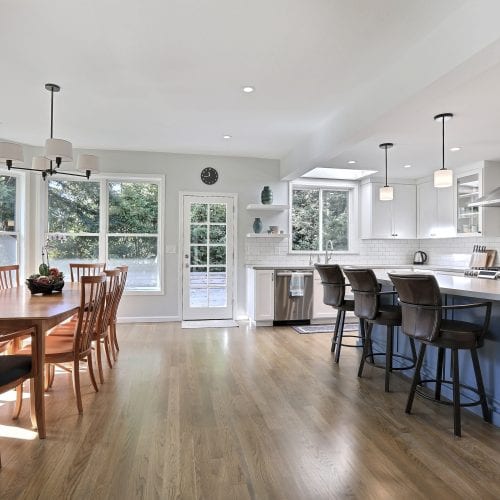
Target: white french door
208, 257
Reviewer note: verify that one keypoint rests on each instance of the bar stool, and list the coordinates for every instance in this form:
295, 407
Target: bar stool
422, 312
367, 306
334, 286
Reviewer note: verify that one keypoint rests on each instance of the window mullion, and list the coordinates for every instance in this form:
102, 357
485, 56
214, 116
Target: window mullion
103, 221
320, 198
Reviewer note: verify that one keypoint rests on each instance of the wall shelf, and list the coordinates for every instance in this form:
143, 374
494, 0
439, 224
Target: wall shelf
258, 207
267, 235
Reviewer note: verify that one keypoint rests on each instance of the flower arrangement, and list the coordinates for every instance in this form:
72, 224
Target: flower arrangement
48, 279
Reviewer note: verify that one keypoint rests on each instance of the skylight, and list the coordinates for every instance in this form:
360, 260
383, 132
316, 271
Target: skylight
338, 173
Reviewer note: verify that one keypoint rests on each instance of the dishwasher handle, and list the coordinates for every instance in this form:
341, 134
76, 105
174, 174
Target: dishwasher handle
279, 275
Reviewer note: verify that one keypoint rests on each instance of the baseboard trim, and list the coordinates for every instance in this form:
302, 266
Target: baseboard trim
148, 319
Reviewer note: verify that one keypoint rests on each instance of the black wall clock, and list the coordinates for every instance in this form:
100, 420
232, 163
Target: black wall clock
209, 175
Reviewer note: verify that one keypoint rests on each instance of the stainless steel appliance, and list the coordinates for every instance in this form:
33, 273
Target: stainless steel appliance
288, 307
419, 258
491, 273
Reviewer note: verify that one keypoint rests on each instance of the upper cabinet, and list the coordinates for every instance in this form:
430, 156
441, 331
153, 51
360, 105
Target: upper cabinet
396, 219
471, 183
435, 211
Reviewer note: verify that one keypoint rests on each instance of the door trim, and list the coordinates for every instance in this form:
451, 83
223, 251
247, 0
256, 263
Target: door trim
180, 246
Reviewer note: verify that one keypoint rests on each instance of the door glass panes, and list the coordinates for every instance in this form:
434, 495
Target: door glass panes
467, 192
8, 203
207, 258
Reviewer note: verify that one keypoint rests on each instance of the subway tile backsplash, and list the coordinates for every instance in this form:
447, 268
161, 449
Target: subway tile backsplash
451, 252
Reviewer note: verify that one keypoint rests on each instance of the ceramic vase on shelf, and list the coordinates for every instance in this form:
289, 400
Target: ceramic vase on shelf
266, 197
257, 225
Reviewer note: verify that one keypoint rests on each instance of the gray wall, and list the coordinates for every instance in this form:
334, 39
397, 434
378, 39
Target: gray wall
243, 176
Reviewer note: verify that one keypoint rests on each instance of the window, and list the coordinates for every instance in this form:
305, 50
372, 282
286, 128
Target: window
320, 214
113, 221
9, 232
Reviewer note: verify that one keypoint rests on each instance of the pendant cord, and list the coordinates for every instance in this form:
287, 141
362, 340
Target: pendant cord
386, 166
442, 168
51, 119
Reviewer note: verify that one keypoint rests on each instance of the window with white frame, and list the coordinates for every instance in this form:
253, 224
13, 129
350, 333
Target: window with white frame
9, 223
110, 220
320, 214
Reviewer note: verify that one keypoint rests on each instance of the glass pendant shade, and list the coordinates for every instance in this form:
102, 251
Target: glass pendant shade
443, 178
386, 193
58, 148
9, 151
40, 163
88, 162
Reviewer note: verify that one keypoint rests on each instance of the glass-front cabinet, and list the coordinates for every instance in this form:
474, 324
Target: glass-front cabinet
468, 191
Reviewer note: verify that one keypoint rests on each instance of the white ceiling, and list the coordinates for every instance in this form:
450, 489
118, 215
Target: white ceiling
166, 75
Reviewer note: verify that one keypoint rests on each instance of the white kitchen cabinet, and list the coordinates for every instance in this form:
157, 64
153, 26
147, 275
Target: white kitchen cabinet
435, 211
470, 183
394, 219
320, 309
260, 295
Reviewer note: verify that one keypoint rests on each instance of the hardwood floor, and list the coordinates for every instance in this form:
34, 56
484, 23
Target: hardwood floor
243, 413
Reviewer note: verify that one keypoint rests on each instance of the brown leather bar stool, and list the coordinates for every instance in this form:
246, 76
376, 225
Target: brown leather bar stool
334, 286
368, 307
422, 313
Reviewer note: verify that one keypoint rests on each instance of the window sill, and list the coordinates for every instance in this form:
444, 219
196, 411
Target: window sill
139, 291
304, 252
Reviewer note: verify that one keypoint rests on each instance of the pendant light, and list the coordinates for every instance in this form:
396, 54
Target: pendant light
56, 151
386, 193
443, 177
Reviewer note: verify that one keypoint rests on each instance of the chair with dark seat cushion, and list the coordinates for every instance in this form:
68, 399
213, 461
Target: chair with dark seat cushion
15, 369
422, 319
369, 307
334, 285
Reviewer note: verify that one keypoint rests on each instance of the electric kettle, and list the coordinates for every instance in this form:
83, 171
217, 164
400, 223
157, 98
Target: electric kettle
419, 258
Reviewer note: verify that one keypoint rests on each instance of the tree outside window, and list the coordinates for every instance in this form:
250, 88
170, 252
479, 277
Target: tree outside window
130, 236
320, 215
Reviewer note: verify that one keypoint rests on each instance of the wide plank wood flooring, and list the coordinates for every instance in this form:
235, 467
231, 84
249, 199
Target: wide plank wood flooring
243, 413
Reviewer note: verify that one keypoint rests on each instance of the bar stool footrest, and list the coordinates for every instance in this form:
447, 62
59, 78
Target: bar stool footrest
394, 368
420, 392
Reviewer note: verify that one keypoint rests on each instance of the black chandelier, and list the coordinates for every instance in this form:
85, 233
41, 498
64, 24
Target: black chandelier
56, 151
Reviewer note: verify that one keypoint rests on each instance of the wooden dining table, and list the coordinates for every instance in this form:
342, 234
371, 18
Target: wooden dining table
19, 309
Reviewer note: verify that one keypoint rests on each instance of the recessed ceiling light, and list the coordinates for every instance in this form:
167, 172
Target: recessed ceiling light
248, 89
456, 148
352, 162
227, 136
406, 166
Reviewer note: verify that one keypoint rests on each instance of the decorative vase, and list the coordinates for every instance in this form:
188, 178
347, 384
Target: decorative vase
266, 196
257, 225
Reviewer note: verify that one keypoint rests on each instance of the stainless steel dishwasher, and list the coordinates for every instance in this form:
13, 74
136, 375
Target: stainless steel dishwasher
288, 307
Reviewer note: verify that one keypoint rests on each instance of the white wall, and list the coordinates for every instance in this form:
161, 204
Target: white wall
244, 176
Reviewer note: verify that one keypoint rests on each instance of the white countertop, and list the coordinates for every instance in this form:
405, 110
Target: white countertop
455, 285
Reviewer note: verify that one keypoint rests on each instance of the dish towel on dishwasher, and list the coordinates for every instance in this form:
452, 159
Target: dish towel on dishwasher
297, 285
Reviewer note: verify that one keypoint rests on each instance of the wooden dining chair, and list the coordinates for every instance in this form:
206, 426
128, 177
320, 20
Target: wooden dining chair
15, 368
78, 347
101, 335
123, 282
79, 269
9, 276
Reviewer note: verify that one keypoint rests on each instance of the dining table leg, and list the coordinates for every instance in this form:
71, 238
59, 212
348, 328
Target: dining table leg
37, 386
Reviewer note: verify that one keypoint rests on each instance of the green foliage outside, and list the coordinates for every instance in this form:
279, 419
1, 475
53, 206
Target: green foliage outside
133, 207
7, 202
74, 208
336, 219
306, 220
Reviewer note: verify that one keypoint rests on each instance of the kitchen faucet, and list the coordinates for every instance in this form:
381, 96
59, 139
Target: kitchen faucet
329, 243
